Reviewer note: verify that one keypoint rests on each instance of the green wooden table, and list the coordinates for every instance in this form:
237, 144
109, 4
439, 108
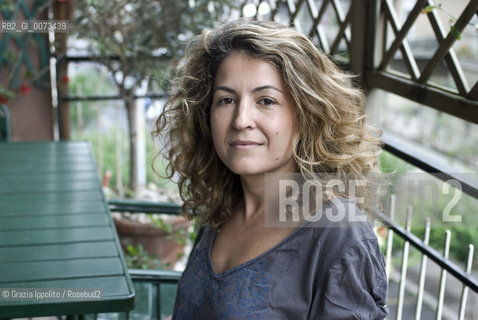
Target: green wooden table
56, 231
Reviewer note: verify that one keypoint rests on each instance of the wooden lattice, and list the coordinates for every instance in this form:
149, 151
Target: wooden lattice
352, 31
445, 40
18, 50
331, 33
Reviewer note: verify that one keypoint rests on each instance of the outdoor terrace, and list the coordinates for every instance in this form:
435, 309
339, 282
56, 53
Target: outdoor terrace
416, 61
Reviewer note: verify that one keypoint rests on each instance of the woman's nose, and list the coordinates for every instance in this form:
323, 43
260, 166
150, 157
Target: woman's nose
244, 116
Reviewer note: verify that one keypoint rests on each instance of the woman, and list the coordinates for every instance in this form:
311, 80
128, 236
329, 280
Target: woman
255, 99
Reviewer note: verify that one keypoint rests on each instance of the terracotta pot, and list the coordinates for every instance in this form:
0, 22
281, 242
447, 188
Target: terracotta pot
153, 239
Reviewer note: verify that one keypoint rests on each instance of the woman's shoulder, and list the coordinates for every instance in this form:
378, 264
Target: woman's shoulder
342, 228
204, 237
341, 219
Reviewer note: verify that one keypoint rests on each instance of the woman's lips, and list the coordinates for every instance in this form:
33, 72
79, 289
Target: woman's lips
244, 144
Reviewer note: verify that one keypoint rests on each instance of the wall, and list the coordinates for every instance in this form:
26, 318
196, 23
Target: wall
30, 112
31, 116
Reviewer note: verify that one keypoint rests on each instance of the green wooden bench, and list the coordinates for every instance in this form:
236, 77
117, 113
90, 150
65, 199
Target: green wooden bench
155, 290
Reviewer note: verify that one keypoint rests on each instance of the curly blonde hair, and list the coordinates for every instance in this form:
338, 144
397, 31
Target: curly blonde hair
332, 135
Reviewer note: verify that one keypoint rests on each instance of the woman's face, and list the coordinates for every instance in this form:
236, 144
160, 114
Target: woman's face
252, 117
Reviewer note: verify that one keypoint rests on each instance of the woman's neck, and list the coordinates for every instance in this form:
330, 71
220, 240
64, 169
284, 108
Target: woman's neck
253, 190
254, 193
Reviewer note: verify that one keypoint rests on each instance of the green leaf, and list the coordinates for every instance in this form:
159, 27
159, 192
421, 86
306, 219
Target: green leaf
10, 55
132, 250
428, 9
140, 249
8, 8
9, 94
29, 74
6, 93
161, 224
454, 31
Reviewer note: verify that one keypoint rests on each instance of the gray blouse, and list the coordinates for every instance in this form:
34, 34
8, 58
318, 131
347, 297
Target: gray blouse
319, 271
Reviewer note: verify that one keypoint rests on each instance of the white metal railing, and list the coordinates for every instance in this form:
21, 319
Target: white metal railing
417, 291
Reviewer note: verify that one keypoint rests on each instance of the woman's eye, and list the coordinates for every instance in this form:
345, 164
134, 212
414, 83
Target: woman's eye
226, 101
267, 101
